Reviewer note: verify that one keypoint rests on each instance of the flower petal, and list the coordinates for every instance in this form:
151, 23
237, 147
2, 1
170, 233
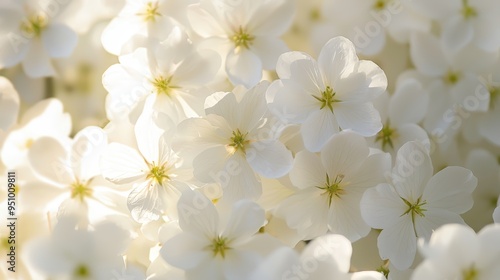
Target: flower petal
121, 164
269, 158
412, 170
381, 206
409, 103
239, 262
362, 118
268, 49
88, 146
185, 251
427, 55
49, 158
145, 201
285, 61
243, 182
398, 243
59, 40
247, 217
320, 126
307, 171
345, 217
344, 153
289, 102
451, 189
243, 67
197, 214
457, 33
332, 249
434, 218
37, 63
337, 56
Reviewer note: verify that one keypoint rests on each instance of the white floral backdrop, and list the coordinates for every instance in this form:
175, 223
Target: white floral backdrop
250, 139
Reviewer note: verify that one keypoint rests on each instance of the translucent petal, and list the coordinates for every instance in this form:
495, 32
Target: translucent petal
269, 158
59, 40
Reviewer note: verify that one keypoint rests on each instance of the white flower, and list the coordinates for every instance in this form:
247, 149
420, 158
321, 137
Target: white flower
464, 21
237, 138
368, 23
140, 22
214, 246
486, 168
69, 170
71, 253
452, 74
172, 73
245, 32
487, 124
328, 95
330, 187
32, 33
327, 257
156, 172
416, 203
456, 252
401, 113
45, 118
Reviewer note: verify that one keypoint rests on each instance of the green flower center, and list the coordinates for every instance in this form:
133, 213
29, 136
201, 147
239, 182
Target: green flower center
238, 141
219, 246
470, 274
452, 77
242, 38
163, 85
34, 25
159, 173
82, 271
415, 208
494, 94
315, 14
468, 11
386, 135
380, 4
333, 188
151, 12
80, 190
327, 98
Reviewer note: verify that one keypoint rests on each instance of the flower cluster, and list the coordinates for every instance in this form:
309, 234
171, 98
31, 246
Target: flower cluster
251, 139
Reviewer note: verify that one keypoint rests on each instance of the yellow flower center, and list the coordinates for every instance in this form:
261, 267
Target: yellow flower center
470, 274
34, 25
159, 173
80, 190
415, 208
151, 12
452, 77
163, 85
242, 38
238, 141
219, 246
380, 4
386, 135
467, 10
494, 94
82, 271
333, 188
327, 98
